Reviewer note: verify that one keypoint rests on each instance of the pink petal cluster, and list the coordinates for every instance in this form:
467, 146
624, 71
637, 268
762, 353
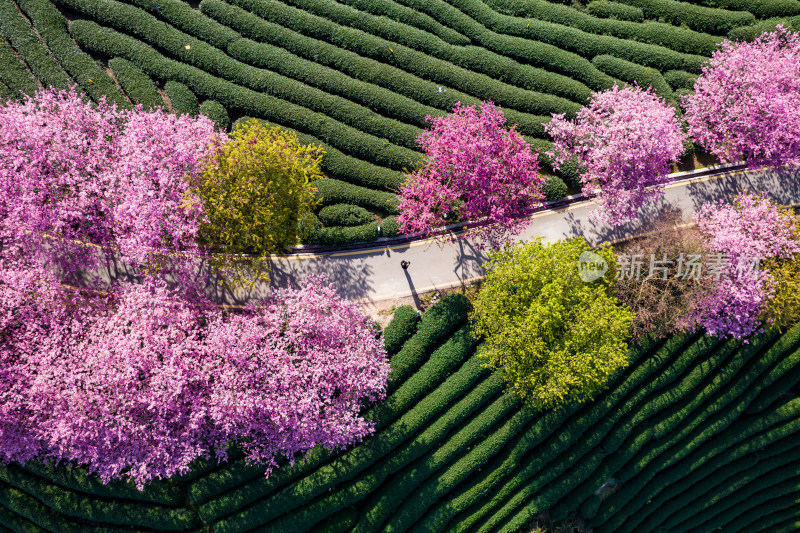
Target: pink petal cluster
752, 227
475, 167
137, 380
746, 103
625, 142
73, 170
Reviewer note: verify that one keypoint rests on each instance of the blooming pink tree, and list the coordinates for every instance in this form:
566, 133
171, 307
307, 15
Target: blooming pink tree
746, 232
625, 142
746, 103
476, 168
75, 171
137, 380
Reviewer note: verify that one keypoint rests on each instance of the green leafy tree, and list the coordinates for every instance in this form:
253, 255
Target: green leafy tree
256, 187
553, 336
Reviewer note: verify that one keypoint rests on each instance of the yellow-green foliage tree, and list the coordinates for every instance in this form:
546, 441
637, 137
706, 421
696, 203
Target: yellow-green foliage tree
256, 187
552, 335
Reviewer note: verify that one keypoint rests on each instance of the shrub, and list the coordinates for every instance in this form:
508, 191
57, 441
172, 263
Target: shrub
760, 8
217, 113
746, 104
614, 10
344, 235
344, 215
136, 84
679, 79
625, 141
554, 189
700, 18
401, 328
752, 32
782, 311
632, 73
540, 319
255, 187
476, 168
331, 192
52, 27
183, 101
17, 30
14, 74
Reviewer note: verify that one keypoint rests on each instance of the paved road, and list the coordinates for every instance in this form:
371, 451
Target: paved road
375, 274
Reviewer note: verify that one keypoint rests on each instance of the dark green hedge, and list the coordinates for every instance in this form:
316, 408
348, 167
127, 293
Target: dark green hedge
554, 189
52, 27
381, 74
749, 33
17, 30
658, 33
760, 8
109, 42
216, 112
344, 235
136, 84
397, 138
332, 191
614, 10
401, 328
471, 69
181, 98
13, 73
679, 79
631, 72
700, 18
522, 38
181, 15
344, 215
5, 92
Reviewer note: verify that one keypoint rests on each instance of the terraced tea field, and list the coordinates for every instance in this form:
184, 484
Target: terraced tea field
360, 76
696, 434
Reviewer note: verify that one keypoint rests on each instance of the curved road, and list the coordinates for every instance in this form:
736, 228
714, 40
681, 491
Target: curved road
374, 274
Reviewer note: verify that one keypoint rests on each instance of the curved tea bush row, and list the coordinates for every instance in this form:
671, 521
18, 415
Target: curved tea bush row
111, 43
22, 37
471, 70
13, 73
614, 10
216, 112
631, 72
136, 84
676, 38
700, 18
211, 60
700, 431
344, 215
52, 27
183, 101
759, 8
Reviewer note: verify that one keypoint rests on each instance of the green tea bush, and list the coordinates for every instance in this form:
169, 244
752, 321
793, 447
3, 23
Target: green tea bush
90, 77
472, 70
22, 37
554, 189
378, 73
679, 79
700, 18
344, 235
760, 8
109, 42
216, 112
331, 192
614, 10
181, 15
136, 84
401, 328
631, 72
14, 74
344, 215
680, 39
113, 512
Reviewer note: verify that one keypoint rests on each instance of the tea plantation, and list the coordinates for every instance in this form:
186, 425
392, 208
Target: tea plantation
695, 435
360, 76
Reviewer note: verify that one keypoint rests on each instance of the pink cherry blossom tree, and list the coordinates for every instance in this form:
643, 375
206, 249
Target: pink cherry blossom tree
625, 142
476, 169
746, 232
746, 103
137, 380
